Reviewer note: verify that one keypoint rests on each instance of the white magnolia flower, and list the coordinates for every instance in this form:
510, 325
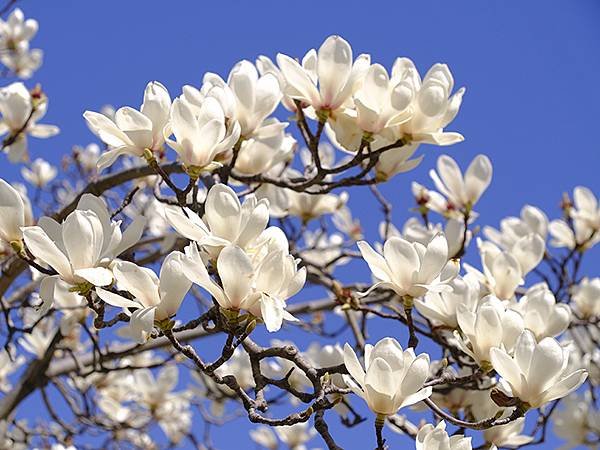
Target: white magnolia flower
346, 223
38, 341
132, 131
586, 208
586, 297
462, 192
295, 436
411, 269
16, 32
20, 113
541, 314
87, 156
430, 438
201, 133
14, 213
226, 221
537, 373
580, 236
382, 102
39, 173
577, 421
442, 307
331, 68
82, 247
260, 287
265, 66
267, 147
454, 230
512, 229
327, 356
154, 299
490, 325
265, 437
392, 378
309, 206
433, 106
256, 97
23, 63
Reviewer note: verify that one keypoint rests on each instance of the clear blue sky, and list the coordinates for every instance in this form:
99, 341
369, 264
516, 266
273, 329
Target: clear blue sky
531, 69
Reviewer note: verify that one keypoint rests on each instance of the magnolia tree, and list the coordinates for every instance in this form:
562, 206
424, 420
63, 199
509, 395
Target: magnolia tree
154, 282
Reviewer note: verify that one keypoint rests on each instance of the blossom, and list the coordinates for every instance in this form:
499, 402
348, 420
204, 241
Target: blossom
577, 421
331, 67
392, 378
411, 269
226, 221
265, 437
512, 229
462, 192
259, 287
13, 213
39, 173
434, 438
433, 106
586, 208
442, 307
490, 325
16, 32
541, 314
155, 299
537, 373
81, 248
131, 132
295, 436
586, 297
579, 236
201, 135
20, 113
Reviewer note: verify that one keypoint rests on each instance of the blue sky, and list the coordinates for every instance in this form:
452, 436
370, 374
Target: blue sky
530, 68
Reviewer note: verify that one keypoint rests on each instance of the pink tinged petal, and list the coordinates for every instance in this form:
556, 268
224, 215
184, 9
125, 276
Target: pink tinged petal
98, 276
334, 65
478, 177
236, 272
106, 130
12, 212
271, 309
223, 212
42, 247
186, 222
173, 285
353, 365
298, 83
116, 300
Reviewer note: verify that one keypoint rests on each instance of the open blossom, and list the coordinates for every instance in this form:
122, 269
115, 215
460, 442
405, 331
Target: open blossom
586, 208
392, 378
260, 287
14, 213
331, 67
442, 307
538, 372
81, 248
490, 325
226, 221
580, 235
154, 298
462, 192
436, 438
39, 173
20, 114
541, 314
132, 131
200, 133
268, 146
433, 105
411, 269
586, 297
512, 229
454, 230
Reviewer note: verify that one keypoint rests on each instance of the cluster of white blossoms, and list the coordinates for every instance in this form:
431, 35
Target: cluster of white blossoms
203, 216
